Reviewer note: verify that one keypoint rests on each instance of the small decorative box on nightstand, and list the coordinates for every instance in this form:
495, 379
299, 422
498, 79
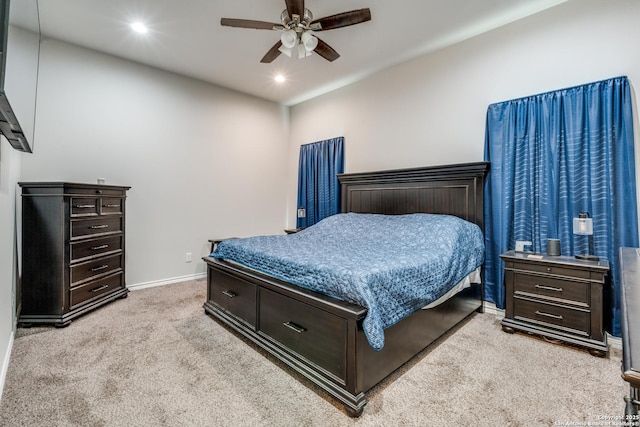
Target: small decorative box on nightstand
559, 297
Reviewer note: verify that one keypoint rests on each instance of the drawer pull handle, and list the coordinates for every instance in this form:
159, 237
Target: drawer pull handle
110, 206
549, 288
293, 326
99, 288
98, 227
553, 316
97, 248
229, 294
85, 206
102, 267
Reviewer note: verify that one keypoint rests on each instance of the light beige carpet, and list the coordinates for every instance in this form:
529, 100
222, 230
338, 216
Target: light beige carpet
155, 359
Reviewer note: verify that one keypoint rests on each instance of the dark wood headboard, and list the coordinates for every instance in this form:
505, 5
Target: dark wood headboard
449, 189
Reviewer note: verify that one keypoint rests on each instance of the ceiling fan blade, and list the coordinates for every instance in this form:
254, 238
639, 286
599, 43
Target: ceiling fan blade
326, 51
272, 54
248, 23
295, 7
340, 20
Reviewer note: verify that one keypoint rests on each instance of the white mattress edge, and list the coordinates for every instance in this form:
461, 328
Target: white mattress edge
473, 277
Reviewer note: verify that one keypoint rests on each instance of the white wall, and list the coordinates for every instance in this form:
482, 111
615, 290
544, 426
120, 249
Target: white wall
432, 110
202, 161
9, 174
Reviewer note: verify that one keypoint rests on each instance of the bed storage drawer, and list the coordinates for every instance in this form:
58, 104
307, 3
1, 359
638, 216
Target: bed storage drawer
314, 334
234, 296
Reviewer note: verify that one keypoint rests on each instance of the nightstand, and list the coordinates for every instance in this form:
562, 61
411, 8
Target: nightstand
559, 297
293, 230
215, 242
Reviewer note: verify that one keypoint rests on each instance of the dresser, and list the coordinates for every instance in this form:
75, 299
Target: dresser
558, 297
73, 250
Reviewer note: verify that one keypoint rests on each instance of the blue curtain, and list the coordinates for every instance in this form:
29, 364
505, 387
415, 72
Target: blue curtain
318, 186
552, 156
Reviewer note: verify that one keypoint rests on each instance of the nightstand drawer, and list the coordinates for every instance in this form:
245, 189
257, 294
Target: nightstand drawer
548, 268
565, 318
547, 287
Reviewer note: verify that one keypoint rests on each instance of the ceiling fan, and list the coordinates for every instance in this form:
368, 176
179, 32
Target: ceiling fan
297, 25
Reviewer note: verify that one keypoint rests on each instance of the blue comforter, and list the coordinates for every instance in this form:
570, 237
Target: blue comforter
391, 264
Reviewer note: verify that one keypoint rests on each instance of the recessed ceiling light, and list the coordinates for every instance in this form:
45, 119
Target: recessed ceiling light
139, 27
279, 78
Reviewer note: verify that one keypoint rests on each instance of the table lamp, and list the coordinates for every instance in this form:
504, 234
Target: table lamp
583, 226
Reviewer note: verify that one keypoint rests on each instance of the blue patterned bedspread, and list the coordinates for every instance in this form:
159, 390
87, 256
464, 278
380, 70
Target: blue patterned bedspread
391, 264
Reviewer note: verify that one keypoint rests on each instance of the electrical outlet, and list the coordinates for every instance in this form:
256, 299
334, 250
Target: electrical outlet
187, 257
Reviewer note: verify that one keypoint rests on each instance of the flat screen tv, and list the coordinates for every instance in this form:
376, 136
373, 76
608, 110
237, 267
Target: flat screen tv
19, 59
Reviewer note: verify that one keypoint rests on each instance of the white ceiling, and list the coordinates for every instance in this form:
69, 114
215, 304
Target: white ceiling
185, 37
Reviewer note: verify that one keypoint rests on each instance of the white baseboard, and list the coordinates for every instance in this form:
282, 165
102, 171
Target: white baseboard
614, 342
490, 308
5, 364
162, 282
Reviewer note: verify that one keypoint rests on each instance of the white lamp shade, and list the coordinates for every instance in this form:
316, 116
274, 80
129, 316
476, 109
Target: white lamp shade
309, 41
302, 52
289, 39
583, 226
285, 50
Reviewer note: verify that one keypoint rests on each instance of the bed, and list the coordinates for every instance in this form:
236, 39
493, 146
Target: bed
327, 339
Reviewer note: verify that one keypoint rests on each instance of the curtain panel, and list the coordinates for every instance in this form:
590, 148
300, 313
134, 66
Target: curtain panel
552, 156
318, 186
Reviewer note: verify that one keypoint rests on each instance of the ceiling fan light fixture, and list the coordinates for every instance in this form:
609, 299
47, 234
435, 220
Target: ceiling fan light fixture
302, 51
297, 27
289, 39
309, 41
285, 50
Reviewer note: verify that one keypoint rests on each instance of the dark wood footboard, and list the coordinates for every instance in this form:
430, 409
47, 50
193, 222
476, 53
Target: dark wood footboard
320, 337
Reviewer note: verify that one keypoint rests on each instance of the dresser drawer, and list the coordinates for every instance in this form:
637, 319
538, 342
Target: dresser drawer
558, 270
94, 190
89, 227
96, 288
86, 270
84, 206
95, 247
111, 206
576, 321
236, 297
318, 336
548, 287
